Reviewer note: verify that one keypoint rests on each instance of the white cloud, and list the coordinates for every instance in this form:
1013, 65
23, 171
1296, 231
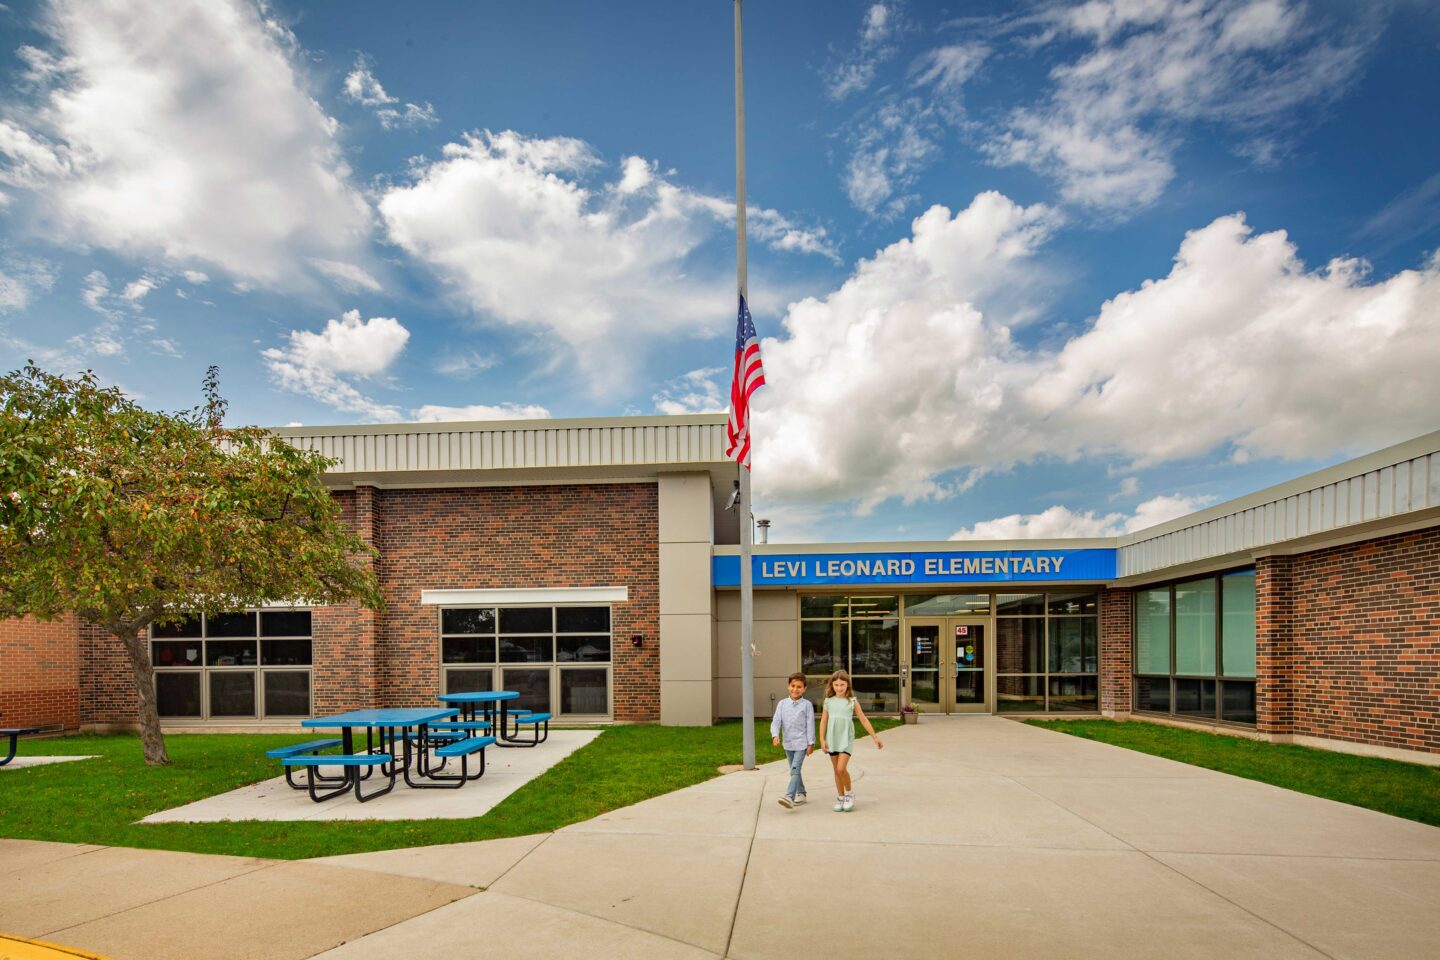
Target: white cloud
346, 275
1111, 124
181, 138
136, 289
890, 146
1060, 522
431, 413
695, 392
22, 279
510, 223
363, 88
321, 365
905, 382
1129, 487
854, 70
464, 365
195, 276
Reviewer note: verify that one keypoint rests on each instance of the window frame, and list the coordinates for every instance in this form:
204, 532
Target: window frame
258, 670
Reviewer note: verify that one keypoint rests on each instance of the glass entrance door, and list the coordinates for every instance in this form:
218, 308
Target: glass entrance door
925, 650
946, 668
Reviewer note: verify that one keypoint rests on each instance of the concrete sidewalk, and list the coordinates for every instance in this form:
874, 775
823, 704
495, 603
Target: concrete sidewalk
975, 837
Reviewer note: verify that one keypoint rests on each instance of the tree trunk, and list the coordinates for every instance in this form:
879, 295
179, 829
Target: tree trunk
150, 737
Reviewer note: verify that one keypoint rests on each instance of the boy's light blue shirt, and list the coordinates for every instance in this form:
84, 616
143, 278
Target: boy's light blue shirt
794, 723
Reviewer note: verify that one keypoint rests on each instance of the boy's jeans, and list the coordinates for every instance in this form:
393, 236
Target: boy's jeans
797, 784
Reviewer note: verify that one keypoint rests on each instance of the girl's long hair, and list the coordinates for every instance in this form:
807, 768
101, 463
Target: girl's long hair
849, 684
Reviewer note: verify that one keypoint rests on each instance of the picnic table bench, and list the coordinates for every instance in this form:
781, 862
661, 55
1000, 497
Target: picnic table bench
14, 733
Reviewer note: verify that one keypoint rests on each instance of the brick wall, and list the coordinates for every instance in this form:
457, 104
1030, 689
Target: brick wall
39, 673
345, 671
506, 537
1274, 645
107, 684
1365, 642
1117, 621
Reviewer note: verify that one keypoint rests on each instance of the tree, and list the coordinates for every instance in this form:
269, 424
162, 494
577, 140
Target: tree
128, 517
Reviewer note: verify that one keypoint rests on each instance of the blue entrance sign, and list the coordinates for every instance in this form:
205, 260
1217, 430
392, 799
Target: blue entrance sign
963, 566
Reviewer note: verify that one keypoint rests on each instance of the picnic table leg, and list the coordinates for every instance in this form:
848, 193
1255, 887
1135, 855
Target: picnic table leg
10, 754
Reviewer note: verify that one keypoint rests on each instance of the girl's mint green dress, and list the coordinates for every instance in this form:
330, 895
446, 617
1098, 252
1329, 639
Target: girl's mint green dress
840, 730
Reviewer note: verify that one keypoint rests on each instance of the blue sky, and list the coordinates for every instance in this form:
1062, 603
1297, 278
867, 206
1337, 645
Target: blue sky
1023, 269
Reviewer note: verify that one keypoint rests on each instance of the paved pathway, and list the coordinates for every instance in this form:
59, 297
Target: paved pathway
975, 837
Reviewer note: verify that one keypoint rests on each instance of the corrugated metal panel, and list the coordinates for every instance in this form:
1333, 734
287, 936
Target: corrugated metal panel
414, 448
1407, 486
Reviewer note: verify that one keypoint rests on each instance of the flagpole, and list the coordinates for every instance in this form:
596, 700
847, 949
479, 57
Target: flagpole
747, 662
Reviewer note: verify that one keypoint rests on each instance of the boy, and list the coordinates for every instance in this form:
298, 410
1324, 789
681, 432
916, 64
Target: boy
794, 729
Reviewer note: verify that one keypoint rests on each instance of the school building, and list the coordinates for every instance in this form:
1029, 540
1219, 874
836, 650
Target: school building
592, 566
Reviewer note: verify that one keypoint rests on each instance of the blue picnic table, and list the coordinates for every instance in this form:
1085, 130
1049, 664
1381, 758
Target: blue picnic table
390, 745
494, 708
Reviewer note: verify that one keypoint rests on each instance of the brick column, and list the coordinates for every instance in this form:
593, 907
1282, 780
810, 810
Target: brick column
1274, 646
1117, 621
343, 675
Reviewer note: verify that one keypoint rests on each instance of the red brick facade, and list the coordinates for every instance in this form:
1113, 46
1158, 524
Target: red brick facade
487, 538
39, 674
1348, 642
1117, 621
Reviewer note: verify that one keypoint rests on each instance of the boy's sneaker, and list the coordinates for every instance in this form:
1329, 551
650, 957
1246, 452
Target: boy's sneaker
800, 798
787, 801
839, 804
848, 802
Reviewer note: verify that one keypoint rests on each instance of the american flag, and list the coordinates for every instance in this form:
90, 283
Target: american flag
749, 377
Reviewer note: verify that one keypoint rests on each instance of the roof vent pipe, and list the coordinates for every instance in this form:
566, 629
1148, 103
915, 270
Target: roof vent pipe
762, 531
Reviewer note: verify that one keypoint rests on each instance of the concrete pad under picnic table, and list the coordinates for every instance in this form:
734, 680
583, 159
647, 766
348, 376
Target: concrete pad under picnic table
476, 864
282, 911
680, 886
496, 925
22, 763
507, 769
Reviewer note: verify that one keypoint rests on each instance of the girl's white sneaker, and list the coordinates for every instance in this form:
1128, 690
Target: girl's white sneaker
839, 804
848, 802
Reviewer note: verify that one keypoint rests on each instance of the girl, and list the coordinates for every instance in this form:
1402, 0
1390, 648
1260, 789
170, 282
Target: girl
837, 734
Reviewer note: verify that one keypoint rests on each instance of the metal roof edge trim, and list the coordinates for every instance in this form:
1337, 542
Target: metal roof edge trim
923, 546
494, 426
1397, 453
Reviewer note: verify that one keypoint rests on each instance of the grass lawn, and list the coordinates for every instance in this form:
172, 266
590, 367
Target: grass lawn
98, 801
1401, 789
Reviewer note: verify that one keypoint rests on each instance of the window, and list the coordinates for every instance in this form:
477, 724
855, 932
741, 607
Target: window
557, 658
246, 665
1047, 647
1195, 648
857, 634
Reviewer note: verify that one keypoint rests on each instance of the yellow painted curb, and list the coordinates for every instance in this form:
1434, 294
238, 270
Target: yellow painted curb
18, 948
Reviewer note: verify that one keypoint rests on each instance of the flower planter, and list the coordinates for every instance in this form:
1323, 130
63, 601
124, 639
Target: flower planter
912, 716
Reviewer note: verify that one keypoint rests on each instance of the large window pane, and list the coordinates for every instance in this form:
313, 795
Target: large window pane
1070, 604
526, 649
229, 653
947, 605
1016, 604
1152, 631
232, 694
286, 653
874, 606
285, 623
185, 628
532, 685
875, 646
1021, 646
878, 694
823, 607
1152, 694
230, 625
287, 693
469, 681
175, 653
1237, 624
584, 691
177, 694
582, 649
1019, 693
526, 620
1073, 693
1072, 644
468, 620
1195, 698
582, 620
824, 645
467, 650
1238, 704
1195, 627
